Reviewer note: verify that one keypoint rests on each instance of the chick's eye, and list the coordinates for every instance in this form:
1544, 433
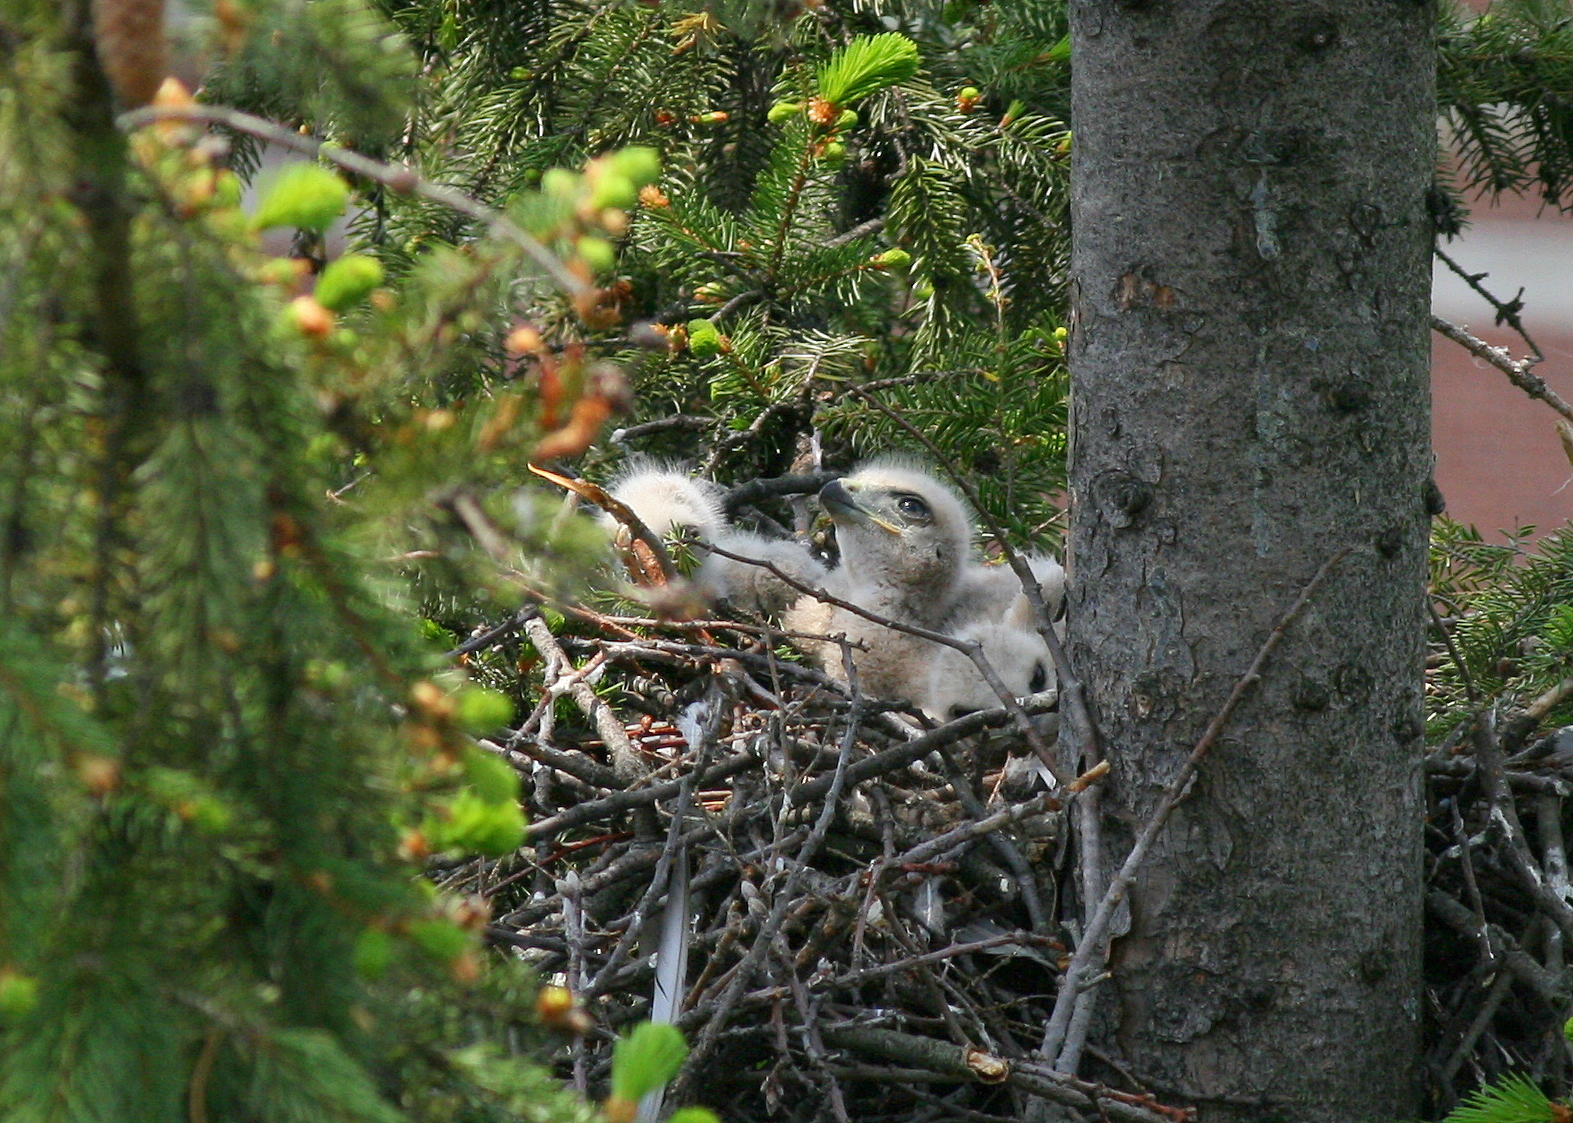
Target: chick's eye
912, 507
1040, 678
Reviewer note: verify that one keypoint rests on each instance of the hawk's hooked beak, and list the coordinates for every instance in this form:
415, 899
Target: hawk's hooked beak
839, 502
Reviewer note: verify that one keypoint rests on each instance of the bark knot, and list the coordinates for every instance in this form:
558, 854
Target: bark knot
1121, 496
1136, 289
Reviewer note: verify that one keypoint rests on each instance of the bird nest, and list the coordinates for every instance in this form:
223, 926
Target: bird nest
864, 915
871, 902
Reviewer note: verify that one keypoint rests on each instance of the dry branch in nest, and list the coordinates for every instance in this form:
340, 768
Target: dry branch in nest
1499, 905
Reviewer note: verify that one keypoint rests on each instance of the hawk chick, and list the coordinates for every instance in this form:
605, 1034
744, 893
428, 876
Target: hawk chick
906, 542
669, 502
1011, 645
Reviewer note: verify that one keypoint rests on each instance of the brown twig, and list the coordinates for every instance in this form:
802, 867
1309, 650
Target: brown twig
784, 900
973, 1065
632, 799
1508, 312
625, 758
619, 511
1504, 817
1518, 372
932, 849
890, 760
673, 851
1027, 939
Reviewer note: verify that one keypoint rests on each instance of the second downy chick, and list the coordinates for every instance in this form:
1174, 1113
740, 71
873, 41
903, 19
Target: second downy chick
670, 502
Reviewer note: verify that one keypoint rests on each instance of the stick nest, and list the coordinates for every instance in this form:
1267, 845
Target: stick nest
879, 911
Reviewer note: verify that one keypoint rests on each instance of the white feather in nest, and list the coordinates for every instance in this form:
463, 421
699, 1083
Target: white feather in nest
674, 923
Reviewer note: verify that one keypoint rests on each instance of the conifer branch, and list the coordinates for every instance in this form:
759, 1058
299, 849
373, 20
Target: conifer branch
392, 176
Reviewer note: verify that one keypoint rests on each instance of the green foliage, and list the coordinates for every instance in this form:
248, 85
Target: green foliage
1508, 608
303, 195
338, 63
785, 254
646, 1058
347, 281
220, 740
1504, 78
305, 1076
1514, 1099
867, 65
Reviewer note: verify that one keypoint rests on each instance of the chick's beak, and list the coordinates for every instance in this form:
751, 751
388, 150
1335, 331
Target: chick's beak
836, 499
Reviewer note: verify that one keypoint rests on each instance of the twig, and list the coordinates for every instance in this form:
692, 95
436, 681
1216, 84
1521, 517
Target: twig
807, 1013
932, 848
619, 511
1519, 725
1504, 816
625, 758
974, 1065
631, 799
660, 425
661, 880
731, 441
755, 490
1471, 886
862, 975
1504, 949
392, 176
578, 765
1508, 311
1089, 833
861, 230
741, 300
1454, 654
785, 898
902, 755
1516, 781
490, 635
1477, 1026
1004, 847
1054, 1037
1554, 856
1518, 373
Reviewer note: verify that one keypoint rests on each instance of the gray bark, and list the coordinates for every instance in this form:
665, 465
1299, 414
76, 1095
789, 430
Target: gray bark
1249, 368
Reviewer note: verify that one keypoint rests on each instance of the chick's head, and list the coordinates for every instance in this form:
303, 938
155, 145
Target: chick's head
903, 535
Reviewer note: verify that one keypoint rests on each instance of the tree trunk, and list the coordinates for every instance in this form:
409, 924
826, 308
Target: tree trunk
1249, 367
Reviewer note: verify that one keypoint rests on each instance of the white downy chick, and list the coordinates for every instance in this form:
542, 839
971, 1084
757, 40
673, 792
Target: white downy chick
1013, 648
989, 592
666, 500
904, 539
754, 587
671, 502
906, 554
